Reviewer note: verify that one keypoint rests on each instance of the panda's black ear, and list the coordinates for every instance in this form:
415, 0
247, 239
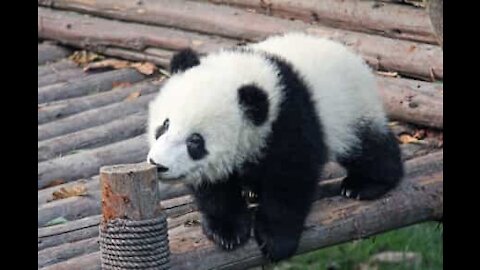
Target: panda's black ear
254, 103
184, 60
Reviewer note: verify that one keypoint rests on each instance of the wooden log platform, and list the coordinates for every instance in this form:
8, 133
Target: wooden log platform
88, 119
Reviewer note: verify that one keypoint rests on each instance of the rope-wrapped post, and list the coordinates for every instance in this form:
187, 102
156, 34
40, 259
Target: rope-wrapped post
133, 231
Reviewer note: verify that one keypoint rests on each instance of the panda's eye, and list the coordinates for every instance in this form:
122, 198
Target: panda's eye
196, 146
161, 130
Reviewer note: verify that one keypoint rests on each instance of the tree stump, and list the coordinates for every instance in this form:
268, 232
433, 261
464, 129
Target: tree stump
133, 231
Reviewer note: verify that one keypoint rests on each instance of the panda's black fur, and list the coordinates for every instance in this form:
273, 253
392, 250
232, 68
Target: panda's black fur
285, 178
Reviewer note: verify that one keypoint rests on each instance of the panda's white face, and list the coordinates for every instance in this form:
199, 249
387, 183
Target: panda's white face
199, 127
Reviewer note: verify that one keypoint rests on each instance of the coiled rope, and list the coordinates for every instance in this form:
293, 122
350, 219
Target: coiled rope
135, 244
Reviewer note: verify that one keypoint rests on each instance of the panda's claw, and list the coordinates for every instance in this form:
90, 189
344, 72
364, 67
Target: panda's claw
227, 235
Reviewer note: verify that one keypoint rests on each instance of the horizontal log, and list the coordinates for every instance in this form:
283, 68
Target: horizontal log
117, 130
79, 207
94, 117
88, 162
89, 85
96, 33
332, 221
60, 65
425, 111
390, 20
60, 109
72, 208
68, 250
179, 206
61, 76
90, 261
50, 53
405, 103
410, 58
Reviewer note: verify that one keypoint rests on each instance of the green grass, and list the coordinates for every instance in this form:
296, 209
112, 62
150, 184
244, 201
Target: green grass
423, 239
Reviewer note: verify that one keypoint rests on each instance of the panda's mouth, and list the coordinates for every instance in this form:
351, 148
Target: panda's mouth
170, 179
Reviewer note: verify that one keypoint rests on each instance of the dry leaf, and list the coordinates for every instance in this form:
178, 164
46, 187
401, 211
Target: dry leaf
108, 63
133, 96
144, 68
55, 182
66, 192
407, 138
84, 57
420, 134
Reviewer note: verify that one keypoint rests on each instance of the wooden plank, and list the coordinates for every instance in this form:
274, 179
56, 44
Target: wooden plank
409, 58
386, 19
61, 76
89, 85
61, 109
405, 103
50, 53
65, 251
94, 117
62, 64
117, 130
90, 261
88, 162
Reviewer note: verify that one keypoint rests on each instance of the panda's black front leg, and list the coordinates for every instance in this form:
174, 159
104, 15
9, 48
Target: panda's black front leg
279, 220
225, 217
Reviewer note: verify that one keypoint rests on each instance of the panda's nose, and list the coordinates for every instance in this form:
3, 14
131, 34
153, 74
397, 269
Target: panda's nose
160, 167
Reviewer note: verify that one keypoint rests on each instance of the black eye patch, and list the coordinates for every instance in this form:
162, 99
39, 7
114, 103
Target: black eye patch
196, 146
161, 130
254, 103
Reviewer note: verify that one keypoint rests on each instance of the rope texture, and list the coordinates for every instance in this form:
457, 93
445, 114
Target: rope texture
135, 244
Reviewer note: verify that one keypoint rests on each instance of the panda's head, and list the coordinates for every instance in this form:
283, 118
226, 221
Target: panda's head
213, 114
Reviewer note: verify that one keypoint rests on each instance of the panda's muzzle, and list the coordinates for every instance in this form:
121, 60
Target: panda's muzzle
160, 167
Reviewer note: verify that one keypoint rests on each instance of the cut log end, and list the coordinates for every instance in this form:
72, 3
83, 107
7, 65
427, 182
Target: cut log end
130, 192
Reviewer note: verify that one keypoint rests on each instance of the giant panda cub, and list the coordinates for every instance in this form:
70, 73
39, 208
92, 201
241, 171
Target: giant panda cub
265, 118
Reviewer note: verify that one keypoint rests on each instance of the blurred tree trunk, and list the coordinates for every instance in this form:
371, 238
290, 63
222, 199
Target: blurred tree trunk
435, 11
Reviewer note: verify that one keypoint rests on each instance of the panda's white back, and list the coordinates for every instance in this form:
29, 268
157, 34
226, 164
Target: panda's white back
343, 87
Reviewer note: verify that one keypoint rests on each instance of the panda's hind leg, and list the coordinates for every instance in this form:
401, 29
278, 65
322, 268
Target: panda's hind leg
375, 167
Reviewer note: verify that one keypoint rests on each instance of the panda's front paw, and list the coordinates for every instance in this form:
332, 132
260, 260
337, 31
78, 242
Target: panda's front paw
275, 247
363, 190
227, 234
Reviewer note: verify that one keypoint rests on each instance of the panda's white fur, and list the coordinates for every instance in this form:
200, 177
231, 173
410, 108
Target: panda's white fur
204, 99
343, 87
